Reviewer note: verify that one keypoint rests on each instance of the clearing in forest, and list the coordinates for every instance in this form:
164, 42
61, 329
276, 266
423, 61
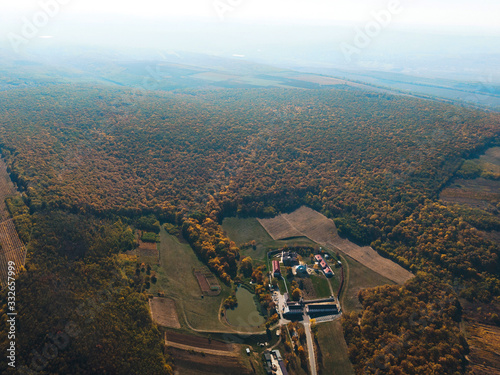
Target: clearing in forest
318, 228
477, 193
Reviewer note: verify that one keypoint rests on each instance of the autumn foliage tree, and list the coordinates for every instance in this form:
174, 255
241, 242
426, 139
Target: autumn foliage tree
246, 266
410, 329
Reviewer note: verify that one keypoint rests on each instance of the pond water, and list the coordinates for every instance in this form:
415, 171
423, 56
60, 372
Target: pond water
246, 313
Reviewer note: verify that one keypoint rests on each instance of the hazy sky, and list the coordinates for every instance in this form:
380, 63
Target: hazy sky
457, 35
479, 13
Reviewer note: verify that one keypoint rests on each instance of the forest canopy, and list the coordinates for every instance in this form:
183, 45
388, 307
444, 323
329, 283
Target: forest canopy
373, 162
91, 161
407, 330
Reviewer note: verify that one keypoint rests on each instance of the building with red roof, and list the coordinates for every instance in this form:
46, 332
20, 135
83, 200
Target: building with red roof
276, 268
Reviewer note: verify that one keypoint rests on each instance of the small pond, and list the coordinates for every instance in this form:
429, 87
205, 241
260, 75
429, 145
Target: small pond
246, 313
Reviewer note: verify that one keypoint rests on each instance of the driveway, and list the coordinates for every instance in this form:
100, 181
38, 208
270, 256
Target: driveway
310, 344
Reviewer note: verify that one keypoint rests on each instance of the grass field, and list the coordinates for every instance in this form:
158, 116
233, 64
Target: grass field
484, 341
321, 287
198, 342
164, 312
360, 277
176, 279
335, 280
489, 163
492, 155
335, 359
245, 230
281, 285
478, 192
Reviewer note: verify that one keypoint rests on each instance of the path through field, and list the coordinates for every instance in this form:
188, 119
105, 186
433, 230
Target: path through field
199, 344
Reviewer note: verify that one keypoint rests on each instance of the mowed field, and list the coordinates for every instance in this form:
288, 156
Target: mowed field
492, 156
484, 341
164, 312
12, 249
335, 358
196, 363
301, 222
318, 228
177, 281
479, 192
200, 355
201, 343
244, 230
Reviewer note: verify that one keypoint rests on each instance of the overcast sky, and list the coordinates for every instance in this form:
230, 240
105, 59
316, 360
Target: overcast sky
482, 14
459, 35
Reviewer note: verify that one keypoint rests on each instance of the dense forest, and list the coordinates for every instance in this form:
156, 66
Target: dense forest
79, 311
375, 163
371, 161
407, 330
